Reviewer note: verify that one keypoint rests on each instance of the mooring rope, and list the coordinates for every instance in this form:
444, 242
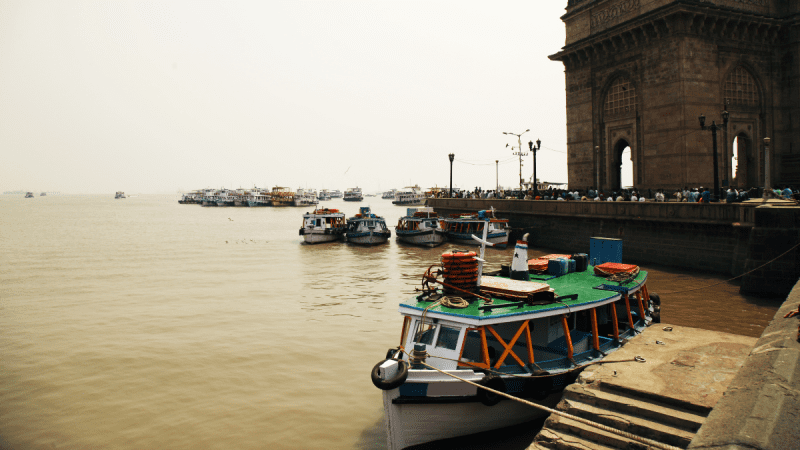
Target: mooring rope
606, 428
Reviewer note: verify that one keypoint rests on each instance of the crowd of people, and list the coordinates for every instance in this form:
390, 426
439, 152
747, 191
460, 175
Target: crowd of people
689, 195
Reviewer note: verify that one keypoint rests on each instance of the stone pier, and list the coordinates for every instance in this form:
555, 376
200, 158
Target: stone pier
724, 238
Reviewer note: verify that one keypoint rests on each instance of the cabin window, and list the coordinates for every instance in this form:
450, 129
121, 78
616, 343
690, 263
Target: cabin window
472, 347
425, 332
448, 337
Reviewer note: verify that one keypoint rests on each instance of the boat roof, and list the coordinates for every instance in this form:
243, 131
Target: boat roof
584, 284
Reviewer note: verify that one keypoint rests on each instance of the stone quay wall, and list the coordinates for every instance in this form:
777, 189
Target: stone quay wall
761, 407
724, 238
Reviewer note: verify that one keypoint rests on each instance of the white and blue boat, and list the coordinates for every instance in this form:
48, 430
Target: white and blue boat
366, 228
323, 225
527, 339
420, 227
461, 227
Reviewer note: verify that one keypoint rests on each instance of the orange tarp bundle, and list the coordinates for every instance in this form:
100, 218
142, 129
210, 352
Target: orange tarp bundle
540, 264
611, 268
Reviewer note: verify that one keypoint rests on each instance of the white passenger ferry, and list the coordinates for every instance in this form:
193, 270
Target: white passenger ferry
323, 225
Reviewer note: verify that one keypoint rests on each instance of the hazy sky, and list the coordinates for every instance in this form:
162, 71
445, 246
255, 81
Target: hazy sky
155, 97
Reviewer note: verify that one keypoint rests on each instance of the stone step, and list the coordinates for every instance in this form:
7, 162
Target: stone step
567, 429
603, 397
631, 423
563, 440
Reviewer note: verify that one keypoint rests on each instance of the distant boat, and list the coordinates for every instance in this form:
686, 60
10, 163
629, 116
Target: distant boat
336, 193
305, 197
43, 194
411, 197
119, 194
389, 194
353, 195
324, 195
29, 195
282, 196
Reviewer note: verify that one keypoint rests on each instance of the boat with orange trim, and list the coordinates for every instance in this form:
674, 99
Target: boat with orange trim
366, 228
323, 225
526, 338
420, 227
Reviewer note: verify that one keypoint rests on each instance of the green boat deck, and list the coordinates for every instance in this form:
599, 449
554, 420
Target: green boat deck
584, 284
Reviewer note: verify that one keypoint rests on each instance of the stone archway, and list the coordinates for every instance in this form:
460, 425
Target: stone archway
746, 171
616, 163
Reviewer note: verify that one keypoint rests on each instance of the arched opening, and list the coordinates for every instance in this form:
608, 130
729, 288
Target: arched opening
623, 165
626, 168
743, 165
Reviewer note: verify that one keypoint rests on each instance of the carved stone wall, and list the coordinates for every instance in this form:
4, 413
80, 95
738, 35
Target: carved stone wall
678, 55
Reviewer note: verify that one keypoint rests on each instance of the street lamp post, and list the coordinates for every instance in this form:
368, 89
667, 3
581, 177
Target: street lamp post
452, 157
519, 152
714, 127
533, 150
767, 180
496, 177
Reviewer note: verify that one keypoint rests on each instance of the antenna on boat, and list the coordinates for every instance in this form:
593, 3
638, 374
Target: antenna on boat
483, 242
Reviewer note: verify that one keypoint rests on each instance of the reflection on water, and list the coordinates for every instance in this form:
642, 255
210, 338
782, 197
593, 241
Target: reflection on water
142, 323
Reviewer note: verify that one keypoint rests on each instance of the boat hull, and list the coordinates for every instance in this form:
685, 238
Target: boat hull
409, 203
318, 237
427, 238
500, 240
368, 238
428, 419
353, 199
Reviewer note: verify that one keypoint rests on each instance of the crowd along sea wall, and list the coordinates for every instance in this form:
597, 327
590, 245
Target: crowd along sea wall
725, 238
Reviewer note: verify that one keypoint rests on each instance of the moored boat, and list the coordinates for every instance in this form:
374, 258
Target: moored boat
336, 193
411, 196
305, 197
366, 228
420, 227
119, 194
259, 198
323, 225
191, 197
353, 195
527, 339
389, 194
282, 196
324, 195
29, 195
461, 227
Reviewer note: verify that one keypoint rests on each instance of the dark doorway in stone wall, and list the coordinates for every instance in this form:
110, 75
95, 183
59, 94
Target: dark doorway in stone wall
622, 172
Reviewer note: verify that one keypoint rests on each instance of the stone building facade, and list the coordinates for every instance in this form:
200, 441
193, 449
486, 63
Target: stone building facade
639, 73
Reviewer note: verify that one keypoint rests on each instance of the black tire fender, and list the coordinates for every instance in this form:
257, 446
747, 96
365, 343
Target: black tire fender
655, 299
394, 382
492, 382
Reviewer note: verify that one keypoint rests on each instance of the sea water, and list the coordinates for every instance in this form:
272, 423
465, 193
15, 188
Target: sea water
143, 323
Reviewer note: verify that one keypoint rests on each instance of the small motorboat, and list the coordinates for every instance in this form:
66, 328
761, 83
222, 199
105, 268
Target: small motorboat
323, 225
420, 227
527, 336
366, 228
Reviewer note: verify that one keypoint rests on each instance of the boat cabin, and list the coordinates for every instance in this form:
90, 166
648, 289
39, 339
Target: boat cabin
516, 337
